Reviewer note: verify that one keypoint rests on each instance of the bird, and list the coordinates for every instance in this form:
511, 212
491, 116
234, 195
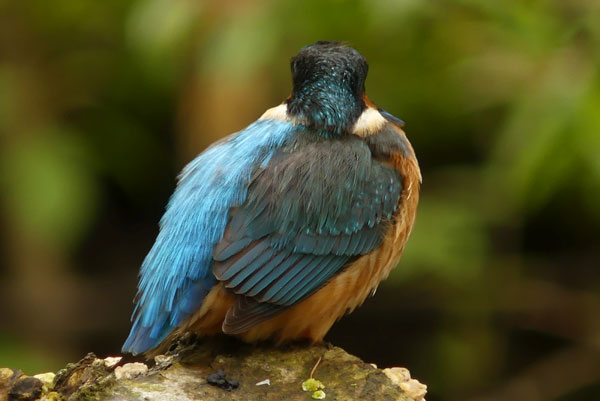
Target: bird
277, 231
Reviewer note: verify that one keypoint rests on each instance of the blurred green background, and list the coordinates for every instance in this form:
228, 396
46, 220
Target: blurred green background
497, 297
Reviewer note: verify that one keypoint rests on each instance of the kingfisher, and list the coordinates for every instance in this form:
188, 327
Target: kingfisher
277, 231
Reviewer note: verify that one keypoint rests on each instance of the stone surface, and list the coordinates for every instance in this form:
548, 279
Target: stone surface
15, 386
8, 377
88, 379
412, 387
184, 375
47, 379
344, 376
130, 371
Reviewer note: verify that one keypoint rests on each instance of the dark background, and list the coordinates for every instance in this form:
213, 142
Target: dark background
497, 296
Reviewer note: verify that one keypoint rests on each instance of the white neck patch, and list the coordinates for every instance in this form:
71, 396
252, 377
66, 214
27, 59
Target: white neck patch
369, 122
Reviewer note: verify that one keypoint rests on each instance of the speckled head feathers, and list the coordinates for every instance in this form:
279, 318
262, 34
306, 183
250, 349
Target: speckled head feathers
331, 61
329, 83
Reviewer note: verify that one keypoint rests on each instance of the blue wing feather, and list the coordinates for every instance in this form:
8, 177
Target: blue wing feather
176, 274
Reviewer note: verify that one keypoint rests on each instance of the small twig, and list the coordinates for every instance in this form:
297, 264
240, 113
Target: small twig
312, 371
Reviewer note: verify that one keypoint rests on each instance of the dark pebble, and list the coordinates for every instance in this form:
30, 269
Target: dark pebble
218, 379
26, 389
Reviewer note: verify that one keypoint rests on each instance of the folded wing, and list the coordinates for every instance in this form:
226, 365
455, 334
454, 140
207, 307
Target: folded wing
310, 211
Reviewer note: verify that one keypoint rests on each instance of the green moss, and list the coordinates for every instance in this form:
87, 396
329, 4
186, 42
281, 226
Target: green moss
312, 385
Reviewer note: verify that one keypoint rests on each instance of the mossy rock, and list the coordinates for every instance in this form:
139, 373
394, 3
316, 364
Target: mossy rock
344, 376
224, 369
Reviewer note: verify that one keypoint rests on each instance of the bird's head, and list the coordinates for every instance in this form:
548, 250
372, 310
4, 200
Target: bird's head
328, 86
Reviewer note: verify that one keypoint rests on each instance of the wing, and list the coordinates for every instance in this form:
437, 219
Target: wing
310, 212
176, 274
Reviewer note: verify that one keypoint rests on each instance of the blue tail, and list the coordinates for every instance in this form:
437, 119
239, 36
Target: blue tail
144, 337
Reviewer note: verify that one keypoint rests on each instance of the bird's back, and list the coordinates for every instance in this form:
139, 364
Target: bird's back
282, 228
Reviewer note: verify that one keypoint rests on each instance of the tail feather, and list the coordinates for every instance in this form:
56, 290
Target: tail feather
247, 313
142, 339
145, 337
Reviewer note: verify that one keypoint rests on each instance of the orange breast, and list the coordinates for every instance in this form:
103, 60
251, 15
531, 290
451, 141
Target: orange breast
313, 317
